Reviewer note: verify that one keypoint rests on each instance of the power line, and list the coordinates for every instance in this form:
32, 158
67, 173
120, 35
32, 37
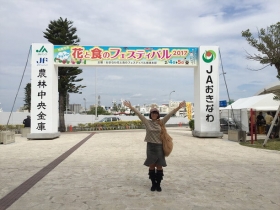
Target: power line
226, 84
19, 86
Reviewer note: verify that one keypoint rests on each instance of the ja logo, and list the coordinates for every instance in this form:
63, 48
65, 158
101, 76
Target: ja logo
209, 56
42, 50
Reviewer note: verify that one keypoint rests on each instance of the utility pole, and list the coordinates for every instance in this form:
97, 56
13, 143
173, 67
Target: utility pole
169, 97
96, 118
85, 105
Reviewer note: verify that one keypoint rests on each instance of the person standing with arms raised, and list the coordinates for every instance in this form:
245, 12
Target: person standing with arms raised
155, 156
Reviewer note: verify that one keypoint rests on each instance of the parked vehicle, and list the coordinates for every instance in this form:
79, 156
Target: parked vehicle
227, 124
110, 119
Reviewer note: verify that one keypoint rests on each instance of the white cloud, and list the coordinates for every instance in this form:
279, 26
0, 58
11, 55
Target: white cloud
139, 23
136, 95
113, 77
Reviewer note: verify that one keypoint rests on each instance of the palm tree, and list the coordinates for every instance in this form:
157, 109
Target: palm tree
62, 32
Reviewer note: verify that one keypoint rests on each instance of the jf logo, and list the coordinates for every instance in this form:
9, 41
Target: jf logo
42, 61
209, 56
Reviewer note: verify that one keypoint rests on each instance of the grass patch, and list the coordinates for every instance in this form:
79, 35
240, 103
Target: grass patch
272, 144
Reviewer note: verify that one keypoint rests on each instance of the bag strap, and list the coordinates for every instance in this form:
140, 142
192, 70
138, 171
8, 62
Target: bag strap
163, 129
160, 123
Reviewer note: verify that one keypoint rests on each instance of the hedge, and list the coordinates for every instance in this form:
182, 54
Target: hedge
116, 125
15, 128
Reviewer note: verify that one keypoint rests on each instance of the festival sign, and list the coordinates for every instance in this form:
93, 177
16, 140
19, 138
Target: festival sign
46, 58
207, 113
125, 56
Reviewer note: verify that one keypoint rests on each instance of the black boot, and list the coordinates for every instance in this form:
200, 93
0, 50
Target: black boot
152, 177
159, 176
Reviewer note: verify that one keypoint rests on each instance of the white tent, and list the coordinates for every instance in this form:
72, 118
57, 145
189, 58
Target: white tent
240, 109
258, 103
272, 88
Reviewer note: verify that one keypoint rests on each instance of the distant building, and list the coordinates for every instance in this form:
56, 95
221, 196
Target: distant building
163, 109
76, 108
174, 105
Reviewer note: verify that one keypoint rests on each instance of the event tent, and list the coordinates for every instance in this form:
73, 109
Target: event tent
272, 88
259, 103
240, 109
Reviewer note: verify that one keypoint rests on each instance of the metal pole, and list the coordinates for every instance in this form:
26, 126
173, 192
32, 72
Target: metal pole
66, 109
255, 124
271, 127
232, 113
95, 99
169, 97
251, 126
85, 105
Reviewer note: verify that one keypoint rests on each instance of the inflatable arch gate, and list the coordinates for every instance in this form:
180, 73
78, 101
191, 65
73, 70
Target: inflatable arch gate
46, 58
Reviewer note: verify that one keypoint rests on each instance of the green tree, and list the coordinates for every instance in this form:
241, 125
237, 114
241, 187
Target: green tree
268, 44
27, 97
100, 111
62, 32
231, 101
116, 107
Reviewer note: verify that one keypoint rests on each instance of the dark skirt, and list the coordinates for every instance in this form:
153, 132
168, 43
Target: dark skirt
155, 155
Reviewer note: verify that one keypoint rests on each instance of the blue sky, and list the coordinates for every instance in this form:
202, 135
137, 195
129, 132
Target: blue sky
139, 23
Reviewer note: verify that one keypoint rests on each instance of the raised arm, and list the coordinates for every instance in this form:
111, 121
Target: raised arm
141, 117
167, 117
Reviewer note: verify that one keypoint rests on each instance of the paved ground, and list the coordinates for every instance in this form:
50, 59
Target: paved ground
107, 172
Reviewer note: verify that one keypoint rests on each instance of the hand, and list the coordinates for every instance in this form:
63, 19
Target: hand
182, 104
127, 103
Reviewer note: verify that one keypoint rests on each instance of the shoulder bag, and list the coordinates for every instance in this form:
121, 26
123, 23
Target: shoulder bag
167, 143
